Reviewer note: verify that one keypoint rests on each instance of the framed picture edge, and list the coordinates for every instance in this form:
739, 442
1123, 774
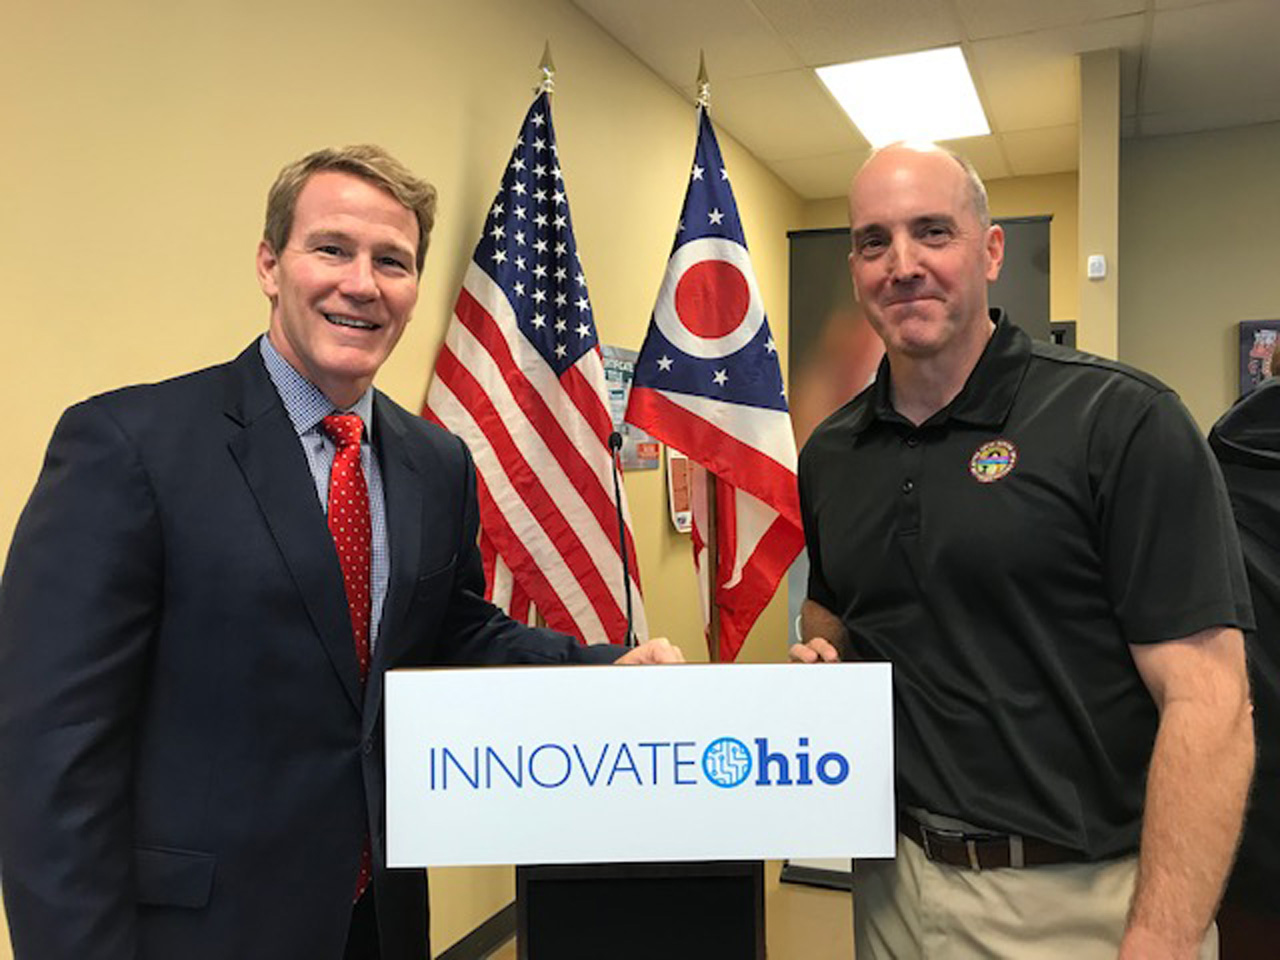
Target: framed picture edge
1253, 364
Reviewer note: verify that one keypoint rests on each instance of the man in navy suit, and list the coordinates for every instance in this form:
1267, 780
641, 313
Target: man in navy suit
191, 758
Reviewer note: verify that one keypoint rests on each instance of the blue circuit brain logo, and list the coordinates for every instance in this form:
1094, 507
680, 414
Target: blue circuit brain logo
726, 762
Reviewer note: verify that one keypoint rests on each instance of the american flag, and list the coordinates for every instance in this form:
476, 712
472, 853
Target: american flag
708, 383
521, 380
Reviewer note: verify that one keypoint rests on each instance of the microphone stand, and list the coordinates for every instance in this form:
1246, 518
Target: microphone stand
615, 448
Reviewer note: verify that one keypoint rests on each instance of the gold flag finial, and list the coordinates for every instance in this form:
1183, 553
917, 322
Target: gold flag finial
704, 83
548, 82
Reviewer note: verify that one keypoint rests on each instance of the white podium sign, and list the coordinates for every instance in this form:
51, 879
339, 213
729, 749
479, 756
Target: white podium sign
599, 764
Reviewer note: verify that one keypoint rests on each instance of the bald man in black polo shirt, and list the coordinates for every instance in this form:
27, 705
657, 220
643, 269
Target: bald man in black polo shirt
1041, 544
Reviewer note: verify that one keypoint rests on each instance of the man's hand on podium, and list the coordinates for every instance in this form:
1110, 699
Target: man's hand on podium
815, 650
820, 635
657, 650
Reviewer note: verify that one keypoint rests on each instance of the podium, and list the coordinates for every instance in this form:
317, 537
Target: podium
646, 797
639, 911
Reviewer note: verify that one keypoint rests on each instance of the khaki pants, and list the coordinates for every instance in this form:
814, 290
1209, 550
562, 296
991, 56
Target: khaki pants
913, 909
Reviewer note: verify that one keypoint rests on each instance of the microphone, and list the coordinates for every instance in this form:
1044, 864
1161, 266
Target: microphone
615, 446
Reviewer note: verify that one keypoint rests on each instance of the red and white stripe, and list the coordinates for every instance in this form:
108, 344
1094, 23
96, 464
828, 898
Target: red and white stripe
501, 588
752, 454
540, 443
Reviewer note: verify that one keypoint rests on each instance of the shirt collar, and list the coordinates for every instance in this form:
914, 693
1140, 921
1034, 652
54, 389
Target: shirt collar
306, 403
986, 397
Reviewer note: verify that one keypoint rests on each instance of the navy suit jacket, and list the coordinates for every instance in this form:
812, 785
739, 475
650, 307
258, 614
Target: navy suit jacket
188, 762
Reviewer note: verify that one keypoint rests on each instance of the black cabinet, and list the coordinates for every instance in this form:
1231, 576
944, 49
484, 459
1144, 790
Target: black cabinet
641, 911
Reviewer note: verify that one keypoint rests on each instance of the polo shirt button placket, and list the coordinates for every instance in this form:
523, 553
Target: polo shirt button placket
912, 463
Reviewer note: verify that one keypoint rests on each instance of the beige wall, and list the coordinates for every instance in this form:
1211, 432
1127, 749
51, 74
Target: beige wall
1199, 252
1051, 195
140, 139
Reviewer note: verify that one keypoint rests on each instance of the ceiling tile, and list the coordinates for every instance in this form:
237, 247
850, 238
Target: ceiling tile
1050, 150
1002, 18
822, 32
667, 35
1202, 64
984, 153
820, 177
1221, 53
783, 116
1032, 80
1022, 91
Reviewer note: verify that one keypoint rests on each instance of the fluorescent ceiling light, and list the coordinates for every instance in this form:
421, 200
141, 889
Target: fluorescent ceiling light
915, 96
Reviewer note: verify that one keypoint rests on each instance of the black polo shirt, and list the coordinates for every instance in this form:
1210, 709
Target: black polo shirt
1247, 443
1003, 556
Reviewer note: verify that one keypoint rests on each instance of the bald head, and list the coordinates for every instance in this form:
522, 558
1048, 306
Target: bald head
975, 190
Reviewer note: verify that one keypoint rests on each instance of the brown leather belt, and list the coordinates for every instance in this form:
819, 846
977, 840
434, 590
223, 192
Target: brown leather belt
983, 851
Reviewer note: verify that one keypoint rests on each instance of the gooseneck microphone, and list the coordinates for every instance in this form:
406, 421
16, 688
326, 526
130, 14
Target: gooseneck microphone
615, 447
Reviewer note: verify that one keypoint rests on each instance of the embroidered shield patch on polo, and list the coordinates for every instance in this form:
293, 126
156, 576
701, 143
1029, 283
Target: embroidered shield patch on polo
993, 460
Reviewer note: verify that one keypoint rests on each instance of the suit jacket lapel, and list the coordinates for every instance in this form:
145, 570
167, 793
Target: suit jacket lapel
402, 487
275, 468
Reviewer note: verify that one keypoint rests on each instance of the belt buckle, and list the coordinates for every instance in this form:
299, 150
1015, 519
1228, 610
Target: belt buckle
941, 834
1014, 844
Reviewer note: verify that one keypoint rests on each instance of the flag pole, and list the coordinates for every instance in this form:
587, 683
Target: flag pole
713, 571
547, 84
713, 535
704, 83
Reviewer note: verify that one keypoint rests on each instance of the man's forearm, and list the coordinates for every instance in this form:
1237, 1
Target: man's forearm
817, 621
1196, 791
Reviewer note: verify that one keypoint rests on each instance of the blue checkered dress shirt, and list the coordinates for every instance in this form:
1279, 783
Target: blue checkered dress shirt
307, 406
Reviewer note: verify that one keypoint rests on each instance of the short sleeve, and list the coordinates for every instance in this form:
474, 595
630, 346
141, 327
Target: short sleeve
818, 591
1170, 549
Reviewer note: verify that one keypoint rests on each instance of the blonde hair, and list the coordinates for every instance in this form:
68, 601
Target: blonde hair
366, 161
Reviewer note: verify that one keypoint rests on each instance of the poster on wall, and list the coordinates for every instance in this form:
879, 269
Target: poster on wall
639, 449
679, 490
1258, 340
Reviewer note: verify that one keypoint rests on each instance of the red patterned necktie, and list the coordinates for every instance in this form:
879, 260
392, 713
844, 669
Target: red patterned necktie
349, 524
351, 529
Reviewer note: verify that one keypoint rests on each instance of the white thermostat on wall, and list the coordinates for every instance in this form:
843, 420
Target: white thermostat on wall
1096, 266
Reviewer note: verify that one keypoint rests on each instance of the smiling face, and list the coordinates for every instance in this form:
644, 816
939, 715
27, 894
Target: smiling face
345, 284
921, 257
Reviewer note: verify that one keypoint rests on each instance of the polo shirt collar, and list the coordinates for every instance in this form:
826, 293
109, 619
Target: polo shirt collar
988, 394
